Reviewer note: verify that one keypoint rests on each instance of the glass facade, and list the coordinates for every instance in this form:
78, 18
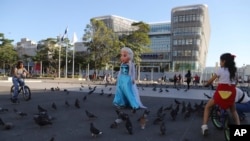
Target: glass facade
178, 45
191, 32
160, 37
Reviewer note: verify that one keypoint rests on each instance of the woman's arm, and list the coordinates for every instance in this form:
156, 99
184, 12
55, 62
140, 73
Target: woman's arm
211, 80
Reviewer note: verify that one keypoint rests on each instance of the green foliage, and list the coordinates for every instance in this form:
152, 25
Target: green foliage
138, 41
48, 53
8, 55
101, 42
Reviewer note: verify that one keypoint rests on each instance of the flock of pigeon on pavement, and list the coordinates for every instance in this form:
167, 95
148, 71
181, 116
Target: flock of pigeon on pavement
177, 108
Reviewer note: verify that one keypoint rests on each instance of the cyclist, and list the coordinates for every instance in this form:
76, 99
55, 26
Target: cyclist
18, 73
225, 93
242, 103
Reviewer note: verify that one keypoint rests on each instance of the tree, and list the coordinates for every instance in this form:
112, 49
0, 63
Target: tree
47, 52
8, 55
101, 42
138, 40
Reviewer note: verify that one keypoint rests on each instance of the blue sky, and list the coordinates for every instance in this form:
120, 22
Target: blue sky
40, 19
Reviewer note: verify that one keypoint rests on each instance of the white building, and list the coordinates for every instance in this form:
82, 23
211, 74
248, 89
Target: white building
26, 47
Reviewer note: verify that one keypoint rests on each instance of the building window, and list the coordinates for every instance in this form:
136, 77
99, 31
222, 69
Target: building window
175, 19
189, 41
188, 53
174, 53
183, 42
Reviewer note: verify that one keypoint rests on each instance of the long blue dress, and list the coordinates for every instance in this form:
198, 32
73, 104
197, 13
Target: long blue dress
126, 94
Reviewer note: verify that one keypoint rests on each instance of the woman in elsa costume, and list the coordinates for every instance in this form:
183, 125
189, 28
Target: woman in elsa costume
126, 94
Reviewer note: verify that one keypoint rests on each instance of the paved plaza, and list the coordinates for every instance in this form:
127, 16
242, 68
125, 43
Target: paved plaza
71, 123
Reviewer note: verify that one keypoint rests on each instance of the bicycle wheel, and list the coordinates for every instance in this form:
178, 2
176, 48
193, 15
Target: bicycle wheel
228, 121
216, 118
26, 93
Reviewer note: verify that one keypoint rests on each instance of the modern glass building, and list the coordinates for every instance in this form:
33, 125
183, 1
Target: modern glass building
160, 57
177, 46
118, 24
190, 39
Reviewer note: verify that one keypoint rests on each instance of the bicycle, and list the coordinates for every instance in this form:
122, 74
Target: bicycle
221, 119
24, 90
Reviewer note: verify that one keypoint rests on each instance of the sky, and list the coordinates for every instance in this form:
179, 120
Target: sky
41, 19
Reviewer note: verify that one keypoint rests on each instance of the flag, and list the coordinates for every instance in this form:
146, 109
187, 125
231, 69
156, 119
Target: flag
65, 33
74, 39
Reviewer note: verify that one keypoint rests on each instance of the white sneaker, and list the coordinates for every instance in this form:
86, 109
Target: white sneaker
204, 130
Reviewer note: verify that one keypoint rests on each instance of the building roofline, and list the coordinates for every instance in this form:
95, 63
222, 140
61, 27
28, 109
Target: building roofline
107, 16
161, 22
189, 6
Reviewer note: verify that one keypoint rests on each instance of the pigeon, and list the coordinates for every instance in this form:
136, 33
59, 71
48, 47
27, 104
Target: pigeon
168, 108
90, 115
40, 109
91, 91
21, 114
143, 120
66, 91
114, 125
42, 119
54, 106
52, 89
121, 115
154, 89
84, 98
162, 128
166, 90
57, 88
52, 139
133, 110
173, 114
6, 125
207, 96
146, 112
159, 111
177, 102
159, 118
94, 131
129, 126
90, 88
109, 95
77, 104
183, 110
160, 91
102, 92
187, 114
67, 103
3, 109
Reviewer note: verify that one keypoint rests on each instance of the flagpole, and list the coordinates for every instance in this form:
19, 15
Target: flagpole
66, 69
74, 40
73, 63
59, 62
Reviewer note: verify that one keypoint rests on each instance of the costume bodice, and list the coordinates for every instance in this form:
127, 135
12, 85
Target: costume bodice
124, 69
